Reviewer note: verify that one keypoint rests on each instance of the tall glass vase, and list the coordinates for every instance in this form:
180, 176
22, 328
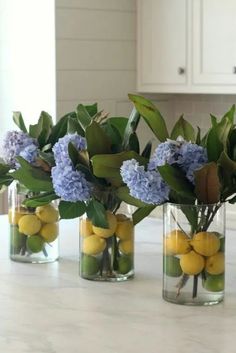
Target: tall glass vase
33, 230
194, 254
107, 254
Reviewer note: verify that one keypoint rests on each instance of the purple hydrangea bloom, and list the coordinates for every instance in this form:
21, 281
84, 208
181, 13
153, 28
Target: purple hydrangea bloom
147, 186
166, 153
191, 158
18, 143
70, 184
60, 149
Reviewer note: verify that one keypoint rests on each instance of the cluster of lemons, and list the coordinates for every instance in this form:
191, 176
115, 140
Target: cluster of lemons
94, 242
33, 229
204, 251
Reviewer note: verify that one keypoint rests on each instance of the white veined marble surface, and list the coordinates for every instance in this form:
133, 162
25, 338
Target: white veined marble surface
47, 308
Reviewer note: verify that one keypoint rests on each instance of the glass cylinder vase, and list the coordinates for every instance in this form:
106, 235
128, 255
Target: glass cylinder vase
107, 254
33, 230
194, 253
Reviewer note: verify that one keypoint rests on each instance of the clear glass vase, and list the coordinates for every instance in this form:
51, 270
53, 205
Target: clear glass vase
33, 231
107, 254
194, 254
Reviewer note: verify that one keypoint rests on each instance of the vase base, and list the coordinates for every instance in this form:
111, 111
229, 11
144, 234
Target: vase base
203, 299
29, 260
109, 278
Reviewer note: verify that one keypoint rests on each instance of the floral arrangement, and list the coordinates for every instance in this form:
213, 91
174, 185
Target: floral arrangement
190, 170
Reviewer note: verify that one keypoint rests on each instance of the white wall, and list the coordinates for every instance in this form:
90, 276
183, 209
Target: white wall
27, 60
96, 54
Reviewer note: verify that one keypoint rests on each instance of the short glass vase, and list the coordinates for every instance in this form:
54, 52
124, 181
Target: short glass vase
194, 253
107, 254
33, 230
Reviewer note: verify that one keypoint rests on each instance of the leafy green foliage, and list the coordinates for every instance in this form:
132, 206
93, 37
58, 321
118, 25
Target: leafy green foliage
124, 195
69, 210
151, 115
97, 140
19, 121
183, 128
141, 213
40, 200
35, 179
96, 212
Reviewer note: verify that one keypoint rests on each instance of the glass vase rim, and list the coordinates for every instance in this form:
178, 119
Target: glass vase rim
195, 205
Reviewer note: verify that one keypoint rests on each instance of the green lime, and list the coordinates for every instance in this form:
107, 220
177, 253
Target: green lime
171, 266
222, 244
17, 239
214, 283
125, 264
35, 243
89, 265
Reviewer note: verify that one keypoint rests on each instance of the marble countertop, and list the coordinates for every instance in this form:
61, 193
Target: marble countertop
48, 308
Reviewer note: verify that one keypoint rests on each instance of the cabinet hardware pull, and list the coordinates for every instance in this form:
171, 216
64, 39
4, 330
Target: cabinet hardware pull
234, 69
181, 70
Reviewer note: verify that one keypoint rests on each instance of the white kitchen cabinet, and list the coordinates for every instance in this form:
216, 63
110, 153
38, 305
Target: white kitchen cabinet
187, 46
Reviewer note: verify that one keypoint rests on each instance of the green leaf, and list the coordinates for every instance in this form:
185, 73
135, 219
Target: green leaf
151, 115
183, 128
232, 144
74, 126
97, 214
113, 134
92, 109
33, 178
130, 128
40, 200
207, 183
198, 138
141, 213
147, 150
19, 121
42, 129
124, 195
134, 142
214, 145
213, 120
83, 116
226, 163
73, 154
119, 123
69, 210
177, 181
60, 129
4, 168
230, 114
97, 140
108, 165
47, 157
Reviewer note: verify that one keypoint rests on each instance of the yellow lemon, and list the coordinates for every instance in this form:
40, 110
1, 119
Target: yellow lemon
192, 263
14, 215
47, 213
93, 245
125, 229
107, 232
49, 232
126, 246
205, 243
29, 224
176, 242
121, 217
85, 227
215, 264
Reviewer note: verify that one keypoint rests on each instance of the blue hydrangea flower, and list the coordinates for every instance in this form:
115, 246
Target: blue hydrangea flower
147, 186
18, 143
60, 149
70, 184
191, 158
166, 153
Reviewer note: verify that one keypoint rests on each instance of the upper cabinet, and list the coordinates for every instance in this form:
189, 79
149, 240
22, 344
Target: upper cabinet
187, 46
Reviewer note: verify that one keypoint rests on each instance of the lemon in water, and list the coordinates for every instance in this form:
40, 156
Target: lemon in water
86, 228
125, 229
93, 245
47, 213
205, 243
49, 232
215, 264
176, 242
29, 224
107, 232
192, 263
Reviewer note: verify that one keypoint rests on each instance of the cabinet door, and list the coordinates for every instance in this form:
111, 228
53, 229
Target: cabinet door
214, 42
162, 44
